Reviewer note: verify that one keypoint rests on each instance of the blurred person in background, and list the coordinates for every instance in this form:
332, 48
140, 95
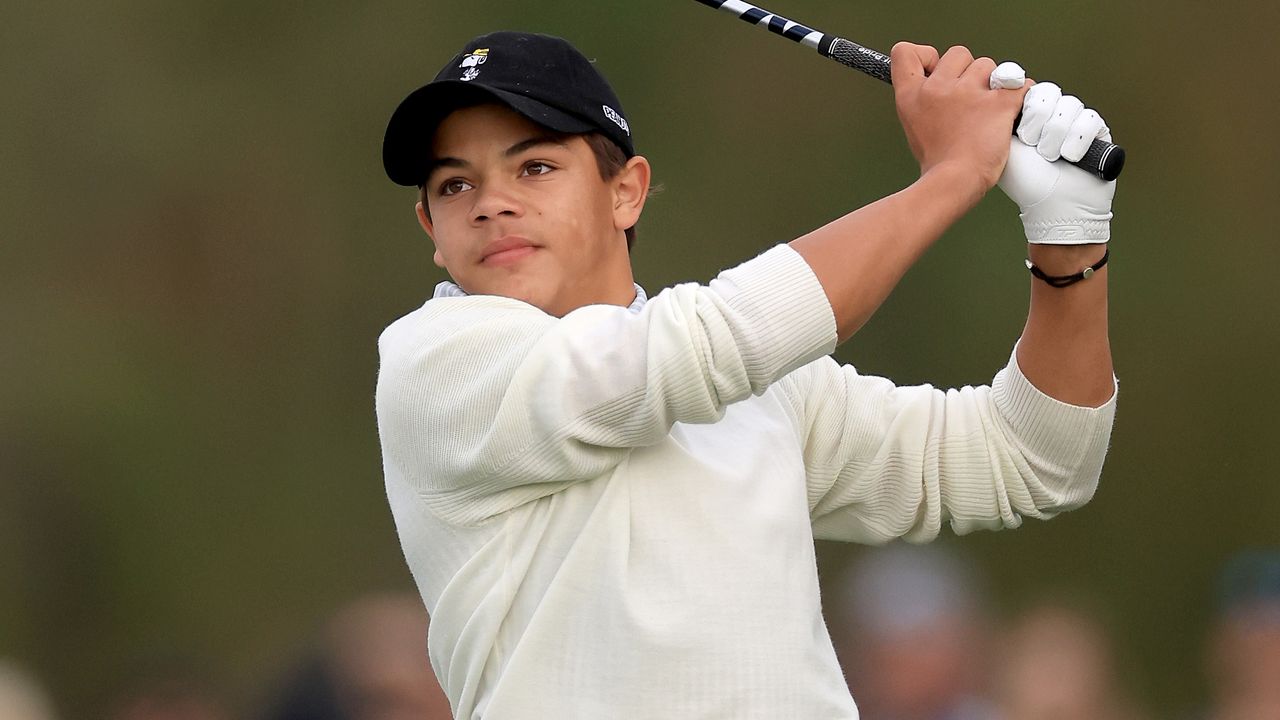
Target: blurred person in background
1058, 663
1244, 642
913, 644
21, 695
370, 663
166, 687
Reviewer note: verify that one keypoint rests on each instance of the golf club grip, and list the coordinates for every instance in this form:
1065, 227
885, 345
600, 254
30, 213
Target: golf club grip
1103, 159
862, 59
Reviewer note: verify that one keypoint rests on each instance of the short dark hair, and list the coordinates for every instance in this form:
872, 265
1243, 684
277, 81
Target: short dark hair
610, 159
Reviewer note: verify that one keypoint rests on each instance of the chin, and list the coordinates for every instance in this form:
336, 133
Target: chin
516, 288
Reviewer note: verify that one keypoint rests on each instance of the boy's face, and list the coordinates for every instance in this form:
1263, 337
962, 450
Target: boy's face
517, 211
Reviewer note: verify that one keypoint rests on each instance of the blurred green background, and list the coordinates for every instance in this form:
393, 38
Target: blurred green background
201, 249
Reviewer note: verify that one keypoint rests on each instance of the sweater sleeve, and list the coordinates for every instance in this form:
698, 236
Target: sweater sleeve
884, 461
485, 403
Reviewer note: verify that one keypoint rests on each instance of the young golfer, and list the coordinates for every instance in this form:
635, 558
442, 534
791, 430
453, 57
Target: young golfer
609, 500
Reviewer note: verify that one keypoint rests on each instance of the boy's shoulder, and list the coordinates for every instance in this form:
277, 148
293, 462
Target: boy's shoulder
444, 319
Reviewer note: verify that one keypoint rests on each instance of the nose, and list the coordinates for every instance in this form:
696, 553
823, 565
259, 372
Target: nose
494, 199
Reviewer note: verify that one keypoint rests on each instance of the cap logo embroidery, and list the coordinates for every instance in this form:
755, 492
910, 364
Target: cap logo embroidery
617, 119
472, 62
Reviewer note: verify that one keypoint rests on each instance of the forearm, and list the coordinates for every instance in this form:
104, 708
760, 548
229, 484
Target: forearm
1065, 351
860, 257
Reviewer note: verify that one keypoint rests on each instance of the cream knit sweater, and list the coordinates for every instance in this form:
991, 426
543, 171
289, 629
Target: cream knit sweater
612, 514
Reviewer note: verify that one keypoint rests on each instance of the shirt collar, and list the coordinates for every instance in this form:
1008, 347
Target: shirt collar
448, 289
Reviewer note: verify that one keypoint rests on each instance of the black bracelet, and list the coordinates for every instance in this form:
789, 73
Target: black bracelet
1065, 280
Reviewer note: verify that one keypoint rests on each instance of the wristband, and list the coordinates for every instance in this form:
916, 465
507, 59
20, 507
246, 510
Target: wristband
1060, 281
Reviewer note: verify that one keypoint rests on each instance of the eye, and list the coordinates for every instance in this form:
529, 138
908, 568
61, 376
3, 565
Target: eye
537, 167
454, 186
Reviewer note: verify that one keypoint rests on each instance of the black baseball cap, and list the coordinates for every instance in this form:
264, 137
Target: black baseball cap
543, 78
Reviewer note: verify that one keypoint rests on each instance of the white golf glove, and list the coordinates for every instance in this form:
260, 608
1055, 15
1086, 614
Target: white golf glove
1060, 204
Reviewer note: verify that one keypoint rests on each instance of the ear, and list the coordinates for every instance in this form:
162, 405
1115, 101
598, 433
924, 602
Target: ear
630, 190
425, 221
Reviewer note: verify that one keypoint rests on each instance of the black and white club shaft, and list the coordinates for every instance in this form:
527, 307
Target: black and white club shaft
1103, 159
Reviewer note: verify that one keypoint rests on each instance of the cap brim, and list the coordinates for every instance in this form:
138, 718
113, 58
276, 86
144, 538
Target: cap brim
406, 147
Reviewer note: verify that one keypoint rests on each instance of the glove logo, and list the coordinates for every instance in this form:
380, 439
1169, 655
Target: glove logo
1065, 232
472, 62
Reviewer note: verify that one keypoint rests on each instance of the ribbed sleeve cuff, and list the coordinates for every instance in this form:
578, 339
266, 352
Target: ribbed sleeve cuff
1050, 428
783, 301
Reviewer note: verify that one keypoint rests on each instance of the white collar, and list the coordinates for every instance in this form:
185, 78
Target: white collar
448, 289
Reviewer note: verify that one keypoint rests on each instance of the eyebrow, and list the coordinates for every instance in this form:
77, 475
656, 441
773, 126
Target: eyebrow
452, 162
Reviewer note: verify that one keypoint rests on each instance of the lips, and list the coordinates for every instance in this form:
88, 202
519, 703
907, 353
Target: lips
506, 250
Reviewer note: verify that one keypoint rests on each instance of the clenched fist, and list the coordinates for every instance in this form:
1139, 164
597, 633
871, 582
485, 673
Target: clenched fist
950, 113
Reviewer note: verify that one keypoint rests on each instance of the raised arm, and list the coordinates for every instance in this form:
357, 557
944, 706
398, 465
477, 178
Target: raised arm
485, 403
958, 129
884, 461
1066, 216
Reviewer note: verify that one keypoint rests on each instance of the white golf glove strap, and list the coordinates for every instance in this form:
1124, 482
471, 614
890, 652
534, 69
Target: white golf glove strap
1060, 204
